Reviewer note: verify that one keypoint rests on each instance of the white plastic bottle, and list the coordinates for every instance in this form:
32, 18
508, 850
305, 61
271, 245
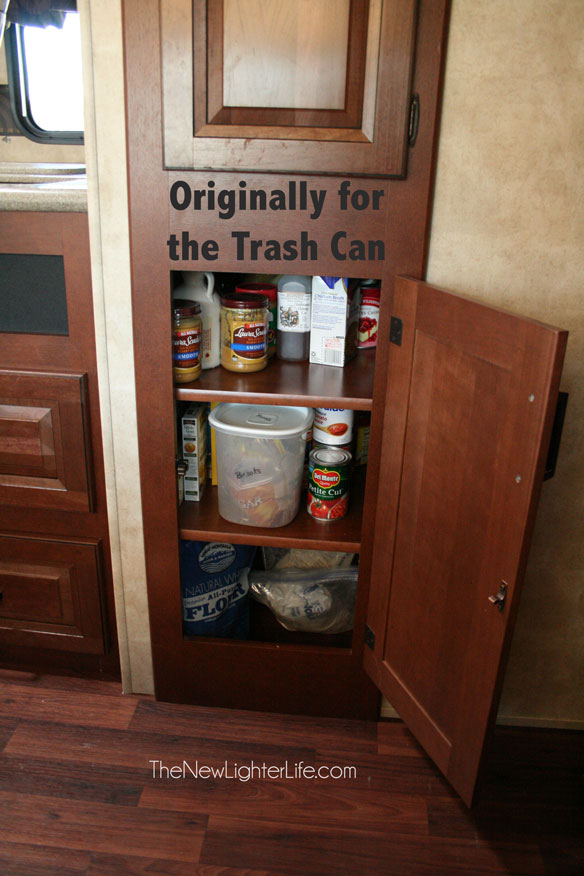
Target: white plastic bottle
199, 286
294, 305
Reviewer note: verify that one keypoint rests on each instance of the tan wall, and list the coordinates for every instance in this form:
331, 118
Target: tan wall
508, 228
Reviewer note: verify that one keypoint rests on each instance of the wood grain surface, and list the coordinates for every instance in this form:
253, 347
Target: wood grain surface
79, 798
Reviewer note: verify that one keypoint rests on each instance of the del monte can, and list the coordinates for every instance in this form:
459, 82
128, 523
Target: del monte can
328, 483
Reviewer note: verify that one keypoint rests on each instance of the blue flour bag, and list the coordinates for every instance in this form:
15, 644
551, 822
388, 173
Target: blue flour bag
214, 588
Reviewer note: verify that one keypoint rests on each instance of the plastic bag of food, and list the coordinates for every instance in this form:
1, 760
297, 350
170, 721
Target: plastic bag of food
295, 558
214, 587
322, 601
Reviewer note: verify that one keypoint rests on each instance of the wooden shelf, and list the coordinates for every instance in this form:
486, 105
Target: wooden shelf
200, 521
284, 383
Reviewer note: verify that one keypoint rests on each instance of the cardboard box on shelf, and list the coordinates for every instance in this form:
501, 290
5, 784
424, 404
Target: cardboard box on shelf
334, 321
194, 450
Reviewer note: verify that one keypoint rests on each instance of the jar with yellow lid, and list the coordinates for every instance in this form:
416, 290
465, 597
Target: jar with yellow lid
244, 330
186, 340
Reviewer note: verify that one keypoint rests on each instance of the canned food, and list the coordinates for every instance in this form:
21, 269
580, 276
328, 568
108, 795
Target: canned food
333, 426
318, 445
328, 483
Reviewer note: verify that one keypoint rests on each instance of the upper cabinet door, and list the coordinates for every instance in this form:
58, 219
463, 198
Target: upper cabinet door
304, 86
468, 414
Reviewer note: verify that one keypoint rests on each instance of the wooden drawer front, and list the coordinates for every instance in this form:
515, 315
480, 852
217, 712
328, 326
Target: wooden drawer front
44, 454
51, 594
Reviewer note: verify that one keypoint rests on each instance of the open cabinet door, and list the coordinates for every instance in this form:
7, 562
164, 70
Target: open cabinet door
468, 415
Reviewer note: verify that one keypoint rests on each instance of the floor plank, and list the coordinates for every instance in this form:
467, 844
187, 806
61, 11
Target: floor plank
41, 704
294, 731
52, 778
139, 750
330, 804
314, 851
7, 728
53, 821
123, 865
70, 683
23, 859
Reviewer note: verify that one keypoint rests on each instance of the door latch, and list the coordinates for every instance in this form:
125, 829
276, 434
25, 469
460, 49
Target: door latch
395, 331
414, 120
499, 598
369, 637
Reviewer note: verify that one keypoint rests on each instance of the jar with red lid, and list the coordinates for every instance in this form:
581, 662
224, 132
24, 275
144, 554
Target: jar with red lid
186, 340
244, 330
369, 314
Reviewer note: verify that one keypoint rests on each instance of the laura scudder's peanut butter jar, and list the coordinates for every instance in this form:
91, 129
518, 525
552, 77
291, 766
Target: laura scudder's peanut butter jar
244, 329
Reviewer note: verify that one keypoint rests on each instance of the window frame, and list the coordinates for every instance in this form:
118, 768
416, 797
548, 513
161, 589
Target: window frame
19, 94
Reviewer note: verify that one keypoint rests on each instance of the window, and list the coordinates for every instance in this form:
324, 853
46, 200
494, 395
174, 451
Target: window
46, 86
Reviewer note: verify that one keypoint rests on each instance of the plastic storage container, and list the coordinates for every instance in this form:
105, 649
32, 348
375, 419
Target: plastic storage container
260, 458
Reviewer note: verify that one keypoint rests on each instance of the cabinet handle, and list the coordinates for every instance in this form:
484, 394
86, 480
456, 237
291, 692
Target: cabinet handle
499, 598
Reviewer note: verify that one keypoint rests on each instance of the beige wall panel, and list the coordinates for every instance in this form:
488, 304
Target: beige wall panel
508, 228
108, 222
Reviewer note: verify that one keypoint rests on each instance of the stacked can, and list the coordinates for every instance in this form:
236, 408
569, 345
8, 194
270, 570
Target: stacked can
329, 472
330, 463
333, 427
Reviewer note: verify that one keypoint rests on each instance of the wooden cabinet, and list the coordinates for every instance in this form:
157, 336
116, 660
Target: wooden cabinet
56, 592
288, 85
461, 397
45, 455
52, 594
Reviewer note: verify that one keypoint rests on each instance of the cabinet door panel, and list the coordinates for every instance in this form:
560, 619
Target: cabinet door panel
51, 594
471, 393
291, 86
44, 441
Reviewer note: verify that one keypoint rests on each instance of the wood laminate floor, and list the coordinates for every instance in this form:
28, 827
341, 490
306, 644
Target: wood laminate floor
80, 796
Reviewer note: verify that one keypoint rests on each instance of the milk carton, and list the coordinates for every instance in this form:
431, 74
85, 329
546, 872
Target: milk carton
335, 320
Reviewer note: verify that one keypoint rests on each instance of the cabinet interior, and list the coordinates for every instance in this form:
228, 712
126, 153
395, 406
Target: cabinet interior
280, 383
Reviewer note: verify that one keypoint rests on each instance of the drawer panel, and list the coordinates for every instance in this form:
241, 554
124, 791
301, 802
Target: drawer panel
51, 594
44, 448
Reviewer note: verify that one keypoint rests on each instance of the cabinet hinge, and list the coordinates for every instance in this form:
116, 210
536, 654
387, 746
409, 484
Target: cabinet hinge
414, 120
369, 637
395, 331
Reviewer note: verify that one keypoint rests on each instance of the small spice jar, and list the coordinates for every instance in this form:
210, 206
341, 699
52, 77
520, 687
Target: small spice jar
244, 329
186, 340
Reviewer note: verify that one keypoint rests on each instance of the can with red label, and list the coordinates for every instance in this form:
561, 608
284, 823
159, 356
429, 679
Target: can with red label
329, 471
333, 426
369, 315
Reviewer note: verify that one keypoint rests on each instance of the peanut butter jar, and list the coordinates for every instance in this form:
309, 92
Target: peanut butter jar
244, 331
186, 341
